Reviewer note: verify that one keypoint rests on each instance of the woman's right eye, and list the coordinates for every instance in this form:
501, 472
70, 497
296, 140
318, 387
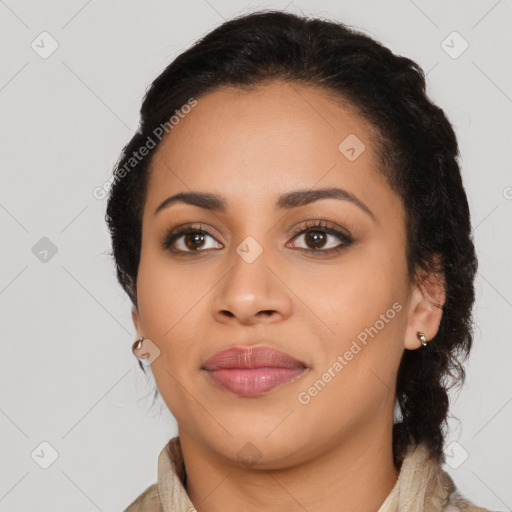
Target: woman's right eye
189, 240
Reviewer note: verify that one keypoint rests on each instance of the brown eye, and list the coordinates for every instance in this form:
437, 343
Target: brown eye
318, 240
325, 240
315, 239
189, 240
194, 240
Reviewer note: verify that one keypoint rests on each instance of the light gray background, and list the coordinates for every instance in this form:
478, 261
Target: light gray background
68, 376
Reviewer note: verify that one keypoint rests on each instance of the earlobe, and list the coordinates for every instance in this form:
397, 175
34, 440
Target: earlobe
426, 310
136, 321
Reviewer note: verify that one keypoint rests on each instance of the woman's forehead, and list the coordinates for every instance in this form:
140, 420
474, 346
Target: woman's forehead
280, 134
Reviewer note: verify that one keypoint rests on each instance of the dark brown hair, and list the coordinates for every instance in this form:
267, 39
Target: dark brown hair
418, 152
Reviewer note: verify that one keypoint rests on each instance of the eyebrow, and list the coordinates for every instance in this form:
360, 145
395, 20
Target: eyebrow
287, 201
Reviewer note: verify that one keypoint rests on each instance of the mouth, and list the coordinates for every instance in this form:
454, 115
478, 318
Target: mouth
252, 371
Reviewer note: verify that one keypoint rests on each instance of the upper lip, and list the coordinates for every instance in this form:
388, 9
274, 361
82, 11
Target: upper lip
252, 357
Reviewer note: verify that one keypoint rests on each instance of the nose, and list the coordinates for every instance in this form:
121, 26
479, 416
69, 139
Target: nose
251, 293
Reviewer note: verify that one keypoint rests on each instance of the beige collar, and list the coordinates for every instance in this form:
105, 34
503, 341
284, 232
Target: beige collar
422, 485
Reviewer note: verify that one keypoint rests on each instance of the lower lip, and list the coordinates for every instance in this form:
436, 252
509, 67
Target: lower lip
253, 381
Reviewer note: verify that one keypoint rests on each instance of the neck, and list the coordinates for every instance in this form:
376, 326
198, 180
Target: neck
354, 475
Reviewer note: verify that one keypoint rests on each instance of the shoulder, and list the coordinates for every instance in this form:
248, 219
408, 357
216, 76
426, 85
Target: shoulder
148, 501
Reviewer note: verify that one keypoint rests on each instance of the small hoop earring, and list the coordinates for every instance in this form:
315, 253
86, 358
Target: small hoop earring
144, 361
421, 336
137, 345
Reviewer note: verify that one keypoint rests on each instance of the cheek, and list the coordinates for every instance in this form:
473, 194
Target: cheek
352, 297
362, 304
168, 297
168, 314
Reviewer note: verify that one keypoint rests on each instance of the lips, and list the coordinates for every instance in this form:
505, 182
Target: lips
253, 357
252, 371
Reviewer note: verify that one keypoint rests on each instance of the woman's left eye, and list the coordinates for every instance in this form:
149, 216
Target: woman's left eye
316, 237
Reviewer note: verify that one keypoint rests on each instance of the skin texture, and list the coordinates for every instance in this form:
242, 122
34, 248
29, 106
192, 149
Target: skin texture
251, 146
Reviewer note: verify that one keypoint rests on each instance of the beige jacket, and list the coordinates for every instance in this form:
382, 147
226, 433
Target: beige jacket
422, 486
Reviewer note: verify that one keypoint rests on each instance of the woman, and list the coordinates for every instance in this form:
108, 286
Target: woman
291, 227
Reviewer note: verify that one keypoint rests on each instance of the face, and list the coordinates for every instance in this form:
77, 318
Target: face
322, 279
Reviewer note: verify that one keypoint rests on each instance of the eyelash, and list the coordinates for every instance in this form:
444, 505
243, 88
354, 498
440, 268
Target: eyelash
316, 225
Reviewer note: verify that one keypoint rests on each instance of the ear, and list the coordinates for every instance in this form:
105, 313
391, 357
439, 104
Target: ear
425, 307
136, 321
